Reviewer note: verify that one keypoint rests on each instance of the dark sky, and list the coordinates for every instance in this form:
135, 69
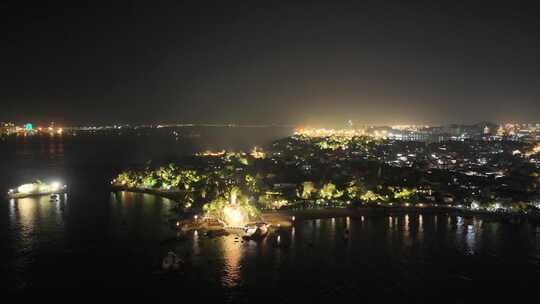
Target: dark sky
270, 62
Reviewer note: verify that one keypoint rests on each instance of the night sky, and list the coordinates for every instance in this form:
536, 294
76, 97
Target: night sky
265, 62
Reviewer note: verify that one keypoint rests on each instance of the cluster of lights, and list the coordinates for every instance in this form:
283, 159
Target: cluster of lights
516, 129
341, 133
28, 129
257, 153
329, 132
212, 153
534, 150
410, 127
234, 216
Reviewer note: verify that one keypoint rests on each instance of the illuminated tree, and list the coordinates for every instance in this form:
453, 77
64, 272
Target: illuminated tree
129, 179
355, 189
252, 184
123, 178
370, 196
149, 181
307, 189
403, 193
272, 200
185, 179
330, 191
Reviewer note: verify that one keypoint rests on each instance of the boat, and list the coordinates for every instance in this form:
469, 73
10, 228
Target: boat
255, 231
171, 261
38, 188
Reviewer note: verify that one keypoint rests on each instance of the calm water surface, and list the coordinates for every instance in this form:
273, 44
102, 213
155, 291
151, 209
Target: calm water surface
92, 240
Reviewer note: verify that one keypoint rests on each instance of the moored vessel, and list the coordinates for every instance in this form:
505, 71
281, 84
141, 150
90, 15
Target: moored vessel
38, 188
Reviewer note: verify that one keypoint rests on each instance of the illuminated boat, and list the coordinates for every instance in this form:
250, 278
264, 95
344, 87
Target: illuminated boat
37, 188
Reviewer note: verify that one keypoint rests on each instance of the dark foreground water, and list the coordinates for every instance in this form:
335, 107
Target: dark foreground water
93, 241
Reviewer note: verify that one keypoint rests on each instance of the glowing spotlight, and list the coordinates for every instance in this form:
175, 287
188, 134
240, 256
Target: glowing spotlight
234, 216
55, 186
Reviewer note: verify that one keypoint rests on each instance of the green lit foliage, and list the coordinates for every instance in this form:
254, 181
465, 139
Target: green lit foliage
333, 143
329, 191
186, 179
389, 194
217, 183
129, 179
403, 193
215, 208
243, 160
272, 200
236, 159
164, 178
307, 189
252, 184
355, 189
149, 181
370, 196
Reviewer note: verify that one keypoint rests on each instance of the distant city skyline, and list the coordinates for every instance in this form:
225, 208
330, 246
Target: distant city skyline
342, 125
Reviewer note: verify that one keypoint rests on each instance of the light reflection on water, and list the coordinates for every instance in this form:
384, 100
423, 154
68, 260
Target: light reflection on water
196, 248
232, 254
470, 239
37, 215
308, 240
391, 245
406, 222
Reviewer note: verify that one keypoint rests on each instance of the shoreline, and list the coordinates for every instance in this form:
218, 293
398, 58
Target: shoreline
172, 195
284, 217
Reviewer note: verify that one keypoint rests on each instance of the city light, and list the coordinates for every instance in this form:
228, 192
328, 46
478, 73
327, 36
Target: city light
322, 132
212, 153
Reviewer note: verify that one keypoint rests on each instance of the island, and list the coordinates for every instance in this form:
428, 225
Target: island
329, 173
